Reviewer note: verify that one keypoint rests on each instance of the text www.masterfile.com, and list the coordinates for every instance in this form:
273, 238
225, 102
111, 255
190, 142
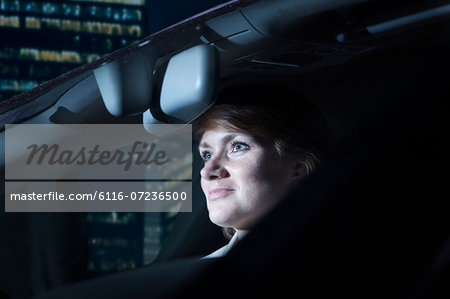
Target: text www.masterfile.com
136, 195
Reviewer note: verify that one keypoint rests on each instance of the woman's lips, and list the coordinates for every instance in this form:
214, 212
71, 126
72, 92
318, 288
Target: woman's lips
219, 192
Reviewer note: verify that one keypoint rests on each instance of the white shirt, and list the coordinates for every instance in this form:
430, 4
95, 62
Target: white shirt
225, 249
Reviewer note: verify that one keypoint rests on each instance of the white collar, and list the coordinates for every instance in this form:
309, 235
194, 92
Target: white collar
239, 235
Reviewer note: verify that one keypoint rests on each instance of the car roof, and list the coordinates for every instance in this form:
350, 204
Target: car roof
259, 42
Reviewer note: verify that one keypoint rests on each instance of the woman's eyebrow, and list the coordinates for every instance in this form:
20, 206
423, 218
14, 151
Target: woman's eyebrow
225, 140
228, 138
204, 145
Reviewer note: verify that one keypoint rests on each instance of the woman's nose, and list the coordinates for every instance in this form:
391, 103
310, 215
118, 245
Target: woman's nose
214, 168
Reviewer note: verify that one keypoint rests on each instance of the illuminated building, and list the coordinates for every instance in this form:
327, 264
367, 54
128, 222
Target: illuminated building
121, 241
114, 241
44, 39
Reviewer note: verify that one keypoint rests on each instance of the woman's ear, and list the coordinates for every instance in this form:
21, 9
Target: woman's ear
299, 170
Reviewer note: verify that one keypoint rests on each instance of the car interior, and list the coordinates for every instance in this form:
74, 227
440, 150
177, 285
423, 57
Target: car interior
371, 222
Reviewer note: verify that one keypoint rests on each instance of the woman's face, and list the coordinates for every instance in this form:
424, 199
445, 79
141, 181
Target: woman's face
243, 177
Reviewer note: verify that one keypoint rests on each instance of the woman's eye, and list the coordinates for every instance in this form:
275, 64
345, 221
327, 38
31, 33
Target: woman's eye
239, 146
206, 156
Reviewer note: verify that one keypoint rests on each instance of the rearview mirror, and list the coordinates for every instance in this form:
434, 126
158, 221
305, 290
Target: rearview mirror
188, 87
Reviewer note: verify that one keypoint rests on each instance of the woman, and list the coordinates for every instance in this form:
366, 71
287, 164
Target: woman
256, 143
